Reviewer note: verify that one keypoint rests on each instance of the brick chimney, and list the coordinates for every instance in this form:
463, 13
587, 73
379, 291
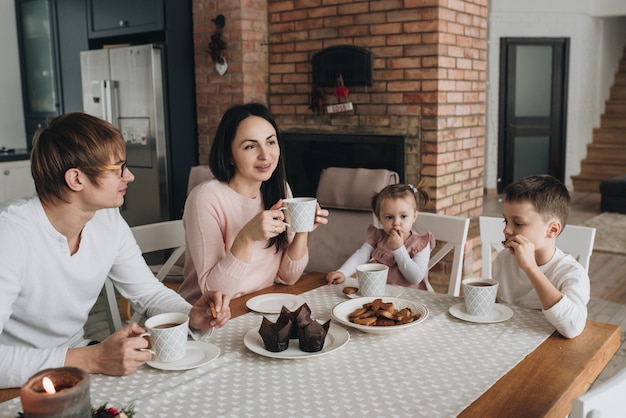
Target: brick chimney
428, 79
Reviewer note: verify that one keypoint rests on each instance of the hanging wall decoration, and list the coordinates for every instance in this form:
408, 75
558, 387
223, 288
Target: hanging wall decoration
341, 93
217, 46
317, 101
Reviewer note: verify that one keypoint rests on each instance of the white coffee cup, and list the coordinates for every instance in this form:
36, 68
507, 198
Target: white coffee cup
168, 336
372, 279
300, 213
480, 295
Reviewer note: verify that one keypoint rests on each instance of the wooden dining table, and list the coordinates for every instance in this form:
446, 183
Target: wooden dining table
544, 383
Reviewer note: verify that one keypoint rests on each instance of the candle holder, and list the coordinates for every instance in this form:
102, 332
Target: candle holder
70, 400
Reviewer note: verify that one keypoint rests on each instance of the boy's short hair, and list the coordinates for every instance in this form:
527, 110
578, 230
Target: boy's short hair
72, 140
547, 194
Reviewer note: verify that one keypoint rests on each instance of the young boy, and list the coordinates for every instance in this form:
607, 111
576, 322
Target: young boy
534, 273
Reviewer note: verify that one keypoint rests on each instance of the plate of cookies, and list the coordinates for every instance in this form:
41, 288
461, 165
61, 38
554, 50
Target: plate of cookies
379, 315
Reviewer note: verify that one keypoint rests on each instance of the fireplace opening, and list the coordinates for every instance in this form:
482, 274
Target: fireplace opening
307, 154
352, 62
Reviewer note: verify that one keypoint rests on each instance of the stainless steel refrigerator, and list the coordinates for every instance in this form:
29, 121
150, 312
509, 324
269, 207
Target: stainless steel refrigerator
125, 86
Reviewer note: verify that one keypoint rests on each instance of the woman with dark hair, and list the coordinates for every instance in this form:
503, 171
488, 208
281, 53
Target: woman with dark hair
237, 240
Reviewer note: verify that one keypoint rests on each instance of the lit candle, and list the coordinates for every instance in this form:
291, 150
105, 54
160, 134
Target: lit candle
52, 393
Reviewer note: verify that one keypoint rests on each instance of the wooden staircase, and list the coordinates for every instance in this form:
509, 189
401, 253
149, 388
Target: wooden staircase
606, 154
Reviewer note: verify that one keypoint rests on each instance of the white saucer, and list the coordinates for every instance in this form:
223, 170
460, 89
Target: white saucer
336, 338
199, 353
272, 303
390, 291
500, 313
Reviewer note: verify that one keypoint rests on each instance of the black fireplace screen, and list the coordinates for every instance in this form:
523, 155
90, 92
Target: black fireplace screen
307, 154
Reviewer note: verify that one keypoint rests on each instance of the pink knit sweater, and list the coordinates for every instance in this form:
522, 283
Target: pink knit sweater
214, 215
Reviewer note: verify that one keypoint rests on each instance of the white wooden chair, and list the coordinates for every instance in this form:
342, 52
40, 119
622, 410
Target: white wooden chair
577, 241
604, 400
168, 235
574, 239
453, 231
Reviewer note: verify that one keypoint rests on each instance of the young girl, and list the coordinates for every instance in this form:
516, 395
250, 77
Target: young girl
395, 244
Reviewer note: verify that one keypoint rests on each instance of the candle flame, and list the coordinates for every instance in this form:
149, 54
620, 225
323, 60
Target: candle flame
48, 385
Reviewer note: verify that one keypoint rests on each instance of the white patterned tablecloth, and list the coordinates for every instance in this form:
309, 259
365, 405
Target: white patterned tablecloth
434, 369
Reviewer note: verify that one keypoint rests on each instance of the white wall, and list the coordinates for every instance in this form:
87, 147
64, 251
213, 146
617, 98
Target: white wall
608, 7
12, 131
596, 45
598, 8
614, 41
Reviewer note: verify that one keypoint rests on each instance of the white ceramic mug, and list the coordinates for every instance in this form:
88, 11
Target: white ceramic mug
480, 295
300, 213
372, 279
168, 336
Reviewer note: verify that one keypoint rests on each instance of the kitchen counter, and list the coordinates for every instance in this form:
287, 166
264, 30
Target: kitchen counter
17, 154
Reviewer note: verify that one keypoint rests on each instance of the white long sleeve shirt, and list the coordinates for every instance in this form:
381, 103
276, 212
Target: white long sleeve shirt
413, 269
46, 293
569, 315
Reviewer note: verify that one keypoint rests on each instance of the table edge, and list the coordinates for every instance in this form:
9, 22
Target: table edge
556, 396
490, 403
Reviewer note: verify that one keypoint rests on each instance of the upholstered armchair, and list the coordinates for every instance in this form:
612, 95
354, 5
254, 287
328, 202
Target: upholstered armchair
346, 193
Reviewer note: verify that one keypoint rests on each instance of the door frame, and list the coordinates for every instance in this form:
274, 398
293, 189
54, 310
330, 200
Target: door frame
558, 108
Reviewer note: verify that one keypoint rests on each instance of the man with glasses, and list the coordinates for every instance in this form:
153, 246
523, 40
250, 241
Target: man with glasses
121, 166
58, 247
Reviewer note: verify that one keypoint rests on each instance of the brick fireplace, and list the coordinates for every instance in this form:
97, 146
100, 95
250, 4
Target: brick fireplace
428, 79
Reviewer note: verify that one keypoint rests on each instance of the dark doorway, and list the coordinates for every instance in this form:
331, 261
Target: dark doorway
533, 105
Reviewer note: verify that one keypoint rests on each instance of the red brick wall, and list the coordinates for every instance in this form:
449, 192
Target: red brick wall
245, 34
429, 72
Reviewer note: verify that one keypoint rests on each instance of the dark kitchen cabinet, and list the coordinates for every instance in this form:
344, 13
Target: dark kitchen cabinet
51, 34
124, 17
72, 36
38, 59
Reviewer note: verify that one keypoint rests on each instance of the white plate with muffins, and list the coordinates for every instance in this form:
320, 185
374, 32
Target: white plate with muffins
336, 338
380, 315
